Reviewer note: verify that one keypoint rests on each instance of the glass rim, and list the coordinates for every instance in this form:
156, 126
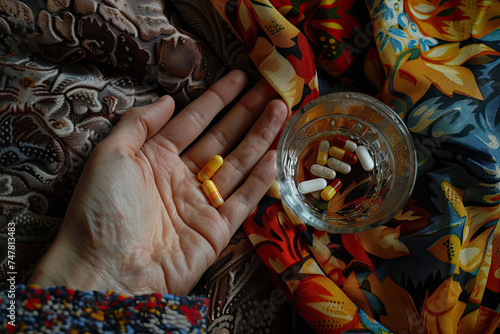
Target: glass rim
287, 193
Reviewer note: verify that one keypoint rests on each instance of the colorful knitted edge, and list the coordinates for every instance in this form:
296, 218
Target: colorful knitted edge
32, 309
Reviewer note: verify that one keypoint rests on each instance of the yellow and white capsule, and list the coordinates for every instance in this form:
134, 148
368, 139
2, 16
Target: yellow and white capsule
322, 155
210, 168
212, 193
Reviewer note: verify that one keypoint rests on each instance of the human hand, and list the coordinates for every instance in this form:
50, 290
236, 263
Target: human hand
138, 221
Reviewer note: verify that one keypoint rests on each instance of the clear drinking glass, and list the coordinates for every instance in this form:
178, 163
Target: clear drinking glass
366, 199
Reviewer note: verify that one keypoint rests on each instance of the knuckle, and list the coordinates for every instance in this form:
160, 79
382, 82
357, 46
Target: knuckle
221, 137
197, 117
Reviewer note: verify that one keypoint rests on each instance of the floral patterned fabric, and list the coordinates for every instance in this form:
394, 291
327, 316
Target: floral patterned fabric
433, 268
69, 69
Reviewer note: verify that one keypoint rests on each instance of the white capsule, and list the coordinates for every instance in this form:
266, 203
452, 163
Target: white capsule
322, 171
338, 165
309, 186
364, 158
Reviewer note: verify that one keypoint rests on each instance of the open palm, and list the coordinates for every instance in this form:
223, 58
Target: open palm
139, 221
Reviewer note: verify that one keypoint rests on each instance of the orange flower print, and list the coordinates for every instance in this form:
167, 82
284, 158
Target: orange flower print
449, 20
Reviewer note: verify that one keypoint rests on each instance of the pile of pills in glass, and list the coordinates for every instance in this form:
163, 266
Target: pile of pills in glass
334, 156
208, 186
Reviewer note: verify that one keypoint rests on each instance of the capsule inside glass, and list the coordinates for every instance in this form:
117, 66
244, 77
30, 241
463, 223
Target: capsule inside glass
366, 198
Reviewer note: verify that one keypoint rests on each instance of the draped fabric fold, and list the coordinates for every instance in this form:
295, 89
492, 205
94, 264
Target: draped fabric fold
434, 267
278, 49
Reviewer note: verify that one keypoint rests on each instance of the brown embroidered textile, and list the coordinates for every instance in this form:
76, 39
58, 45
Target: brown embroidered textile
68, 70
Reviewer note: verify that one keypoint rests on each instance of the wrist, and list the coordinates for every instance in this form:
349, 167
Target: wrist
63, 266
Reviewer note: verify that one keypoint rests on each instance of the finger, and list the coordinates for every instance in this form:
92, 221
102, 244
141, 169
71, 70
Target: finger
238, 164
138, 124
222, 137
183, 129
244, 200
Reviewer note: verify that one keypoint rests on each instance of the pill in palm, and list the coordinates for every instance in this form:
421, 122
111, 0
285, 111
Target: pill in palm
212, 193
346, 156
331, 189
338, 165
322, 156
210, 168
322, 171
309, 186
364, 158
344, 143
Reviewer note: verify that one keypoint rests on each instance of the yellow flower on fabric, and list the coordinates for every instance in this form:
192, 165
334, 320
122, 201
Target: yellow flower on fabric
441, 67
383, 242
448, 20
442, 310
471, 251
447, 249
